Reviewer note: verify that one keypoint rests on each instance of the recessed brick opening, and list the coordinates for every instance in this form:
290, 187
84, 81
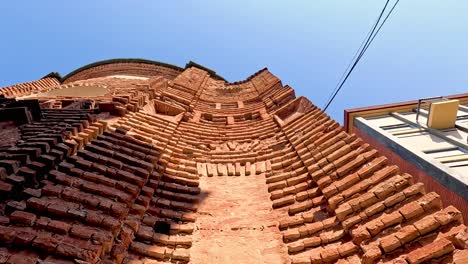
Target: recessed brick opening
162, 227
207, 116
167, 108
296, 107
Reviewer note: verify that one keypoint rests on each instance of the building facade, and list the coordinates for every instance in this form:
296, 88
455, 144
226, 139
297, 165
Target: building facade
135, 161
438, 157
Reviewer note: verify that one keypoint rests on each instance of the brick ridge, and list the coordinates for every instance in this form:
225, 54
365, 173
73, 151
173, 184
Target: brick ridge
368, 254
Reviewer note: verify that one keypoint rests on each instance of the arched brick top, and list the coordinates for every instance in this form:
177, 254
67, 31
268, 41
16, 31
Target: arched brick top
131, 66
140, 67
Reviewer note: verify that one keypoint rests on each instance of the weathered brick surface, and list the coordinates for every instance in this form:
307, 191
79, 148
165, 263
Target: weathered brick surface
128, 189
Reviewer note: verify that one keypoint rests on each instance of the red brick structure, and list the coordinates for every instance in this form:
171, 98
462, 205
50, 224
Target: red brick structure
178, 168
448, 197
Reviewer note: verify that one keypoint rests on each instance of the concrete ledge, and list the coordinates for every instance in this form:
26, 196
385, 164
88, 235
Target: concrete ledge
442, 174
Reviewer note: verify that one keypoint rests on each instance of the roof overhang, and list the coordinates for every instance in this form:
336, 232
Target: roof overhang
350, 114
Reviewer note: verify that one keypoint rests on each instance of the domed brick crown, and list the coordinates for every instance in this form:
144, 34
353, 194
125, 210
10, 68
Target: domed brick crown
179, 166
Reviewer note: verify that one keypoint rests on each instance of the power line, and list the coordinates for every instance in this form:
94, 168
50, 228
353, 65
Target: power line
383, 22
359, 50
362, 49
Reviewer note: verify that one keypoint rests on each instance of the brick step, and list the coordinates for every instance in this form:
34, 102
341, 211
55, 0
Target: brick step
58, 127
147, 131
317, 241
197, 128
315, 214
43, 146
117, 160
189, 175
176, 196
179, 188
148, 234
351, 162
127, 141
9, 165
51, 141
94, 176
155, 124
6, 190
54, 207
106, 148
35, 225
362, 173
137, 177
186, 167
172, 214
302, 191
331, 253
404, 214
174, 227
312, 229
303, 206
154, 120
179, 180
360, 186
30, 175
390, 187
71, 111
57, 246
289, 182
232, 136
445, 224
93, 196
43, 130
112, 143
386, 209
165, 203
147, 253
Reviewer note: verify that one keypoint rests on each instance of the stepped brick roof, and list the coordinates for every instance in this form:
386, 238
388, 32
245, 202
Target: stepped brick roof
187, 168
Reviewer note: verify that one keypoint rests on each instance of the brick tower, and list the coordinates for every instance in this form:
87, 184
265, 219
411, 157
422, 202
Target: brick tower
135, 161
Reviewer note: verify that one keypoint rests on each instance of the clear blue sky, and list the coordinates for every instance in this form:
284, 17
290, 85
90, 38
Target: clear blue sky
422, 50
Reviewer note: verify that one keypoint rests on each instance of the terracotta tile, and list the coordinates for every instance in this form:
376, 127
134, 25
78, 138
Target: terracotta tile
407, 234
436, 249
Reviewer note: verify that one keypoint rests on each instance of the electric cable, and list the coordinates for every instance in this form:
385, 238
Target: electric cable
362, 49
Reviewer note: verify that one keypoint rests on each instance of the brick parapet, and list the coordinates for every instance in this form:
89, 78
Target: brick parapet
123, 68
28, 88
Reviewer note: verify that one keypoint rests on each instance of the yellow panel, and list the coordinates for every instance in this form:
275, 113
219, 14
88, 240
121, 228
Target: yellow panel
443, 114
